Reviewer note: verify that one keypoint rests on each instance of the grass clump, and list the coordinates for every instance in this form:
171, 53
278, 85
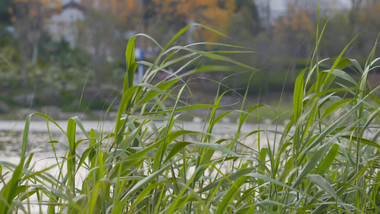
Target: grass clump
325, 159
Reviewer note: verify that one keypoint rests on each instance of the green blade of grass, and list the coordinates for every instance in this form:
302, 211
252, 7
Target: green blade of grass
310, 165
143, 182
228, 198
10, 189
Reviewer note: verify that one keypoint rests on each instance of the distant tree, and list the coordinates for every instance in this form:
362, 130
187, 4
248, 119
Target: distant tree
245, 22
149, 11
213, 13
293, 32
128, 11
101, 35
5, 11
294, 29
265, 14
356, 4
104, 29
354, 12
368, 26
29, 17
369, 15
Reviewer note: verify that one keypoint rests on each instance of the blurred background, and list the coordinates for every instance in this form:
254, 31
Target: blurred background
61, 56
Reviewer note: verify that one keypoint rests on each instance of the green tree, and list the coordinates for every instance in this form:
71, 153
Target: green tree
101, 34
104, 30
29, 17
5, 11
294, 29
244, 25
213, 13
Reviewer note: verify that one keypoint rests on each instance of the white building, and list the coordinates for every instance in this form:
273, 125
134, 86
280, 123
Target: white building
63, 25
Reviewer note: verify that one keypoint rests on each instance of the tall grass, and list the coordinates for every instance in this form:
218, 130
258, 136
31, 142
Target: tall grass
324, 160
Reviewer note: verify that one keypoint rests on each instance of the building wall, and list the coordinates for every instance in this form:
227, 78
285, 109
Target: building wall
63, 26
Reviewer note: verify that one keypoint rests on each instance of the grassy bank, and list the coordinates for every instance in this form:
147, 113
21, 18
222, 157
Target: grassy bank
325, 160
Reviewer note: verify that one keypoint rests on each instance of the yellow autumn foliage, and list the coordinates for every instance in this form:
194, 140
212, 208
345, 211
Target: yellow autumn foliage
213, 13
127, 10
370, 14
297, 24
40, 9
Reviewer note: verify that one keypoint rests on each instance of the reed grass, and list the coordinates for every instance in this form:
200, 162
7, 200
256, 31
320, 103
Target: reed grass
326, 158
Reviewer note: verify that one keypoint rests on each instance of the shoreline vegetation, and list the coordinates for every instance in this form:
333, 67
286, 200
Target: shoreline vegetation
325, 159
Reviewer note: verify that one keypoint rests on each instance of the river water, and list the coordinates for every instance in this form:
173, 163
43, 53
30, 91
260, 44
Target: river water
39, 143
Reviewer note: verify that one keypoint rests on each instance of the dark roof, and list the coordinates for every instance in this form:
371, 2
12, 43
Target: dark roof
73, 4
